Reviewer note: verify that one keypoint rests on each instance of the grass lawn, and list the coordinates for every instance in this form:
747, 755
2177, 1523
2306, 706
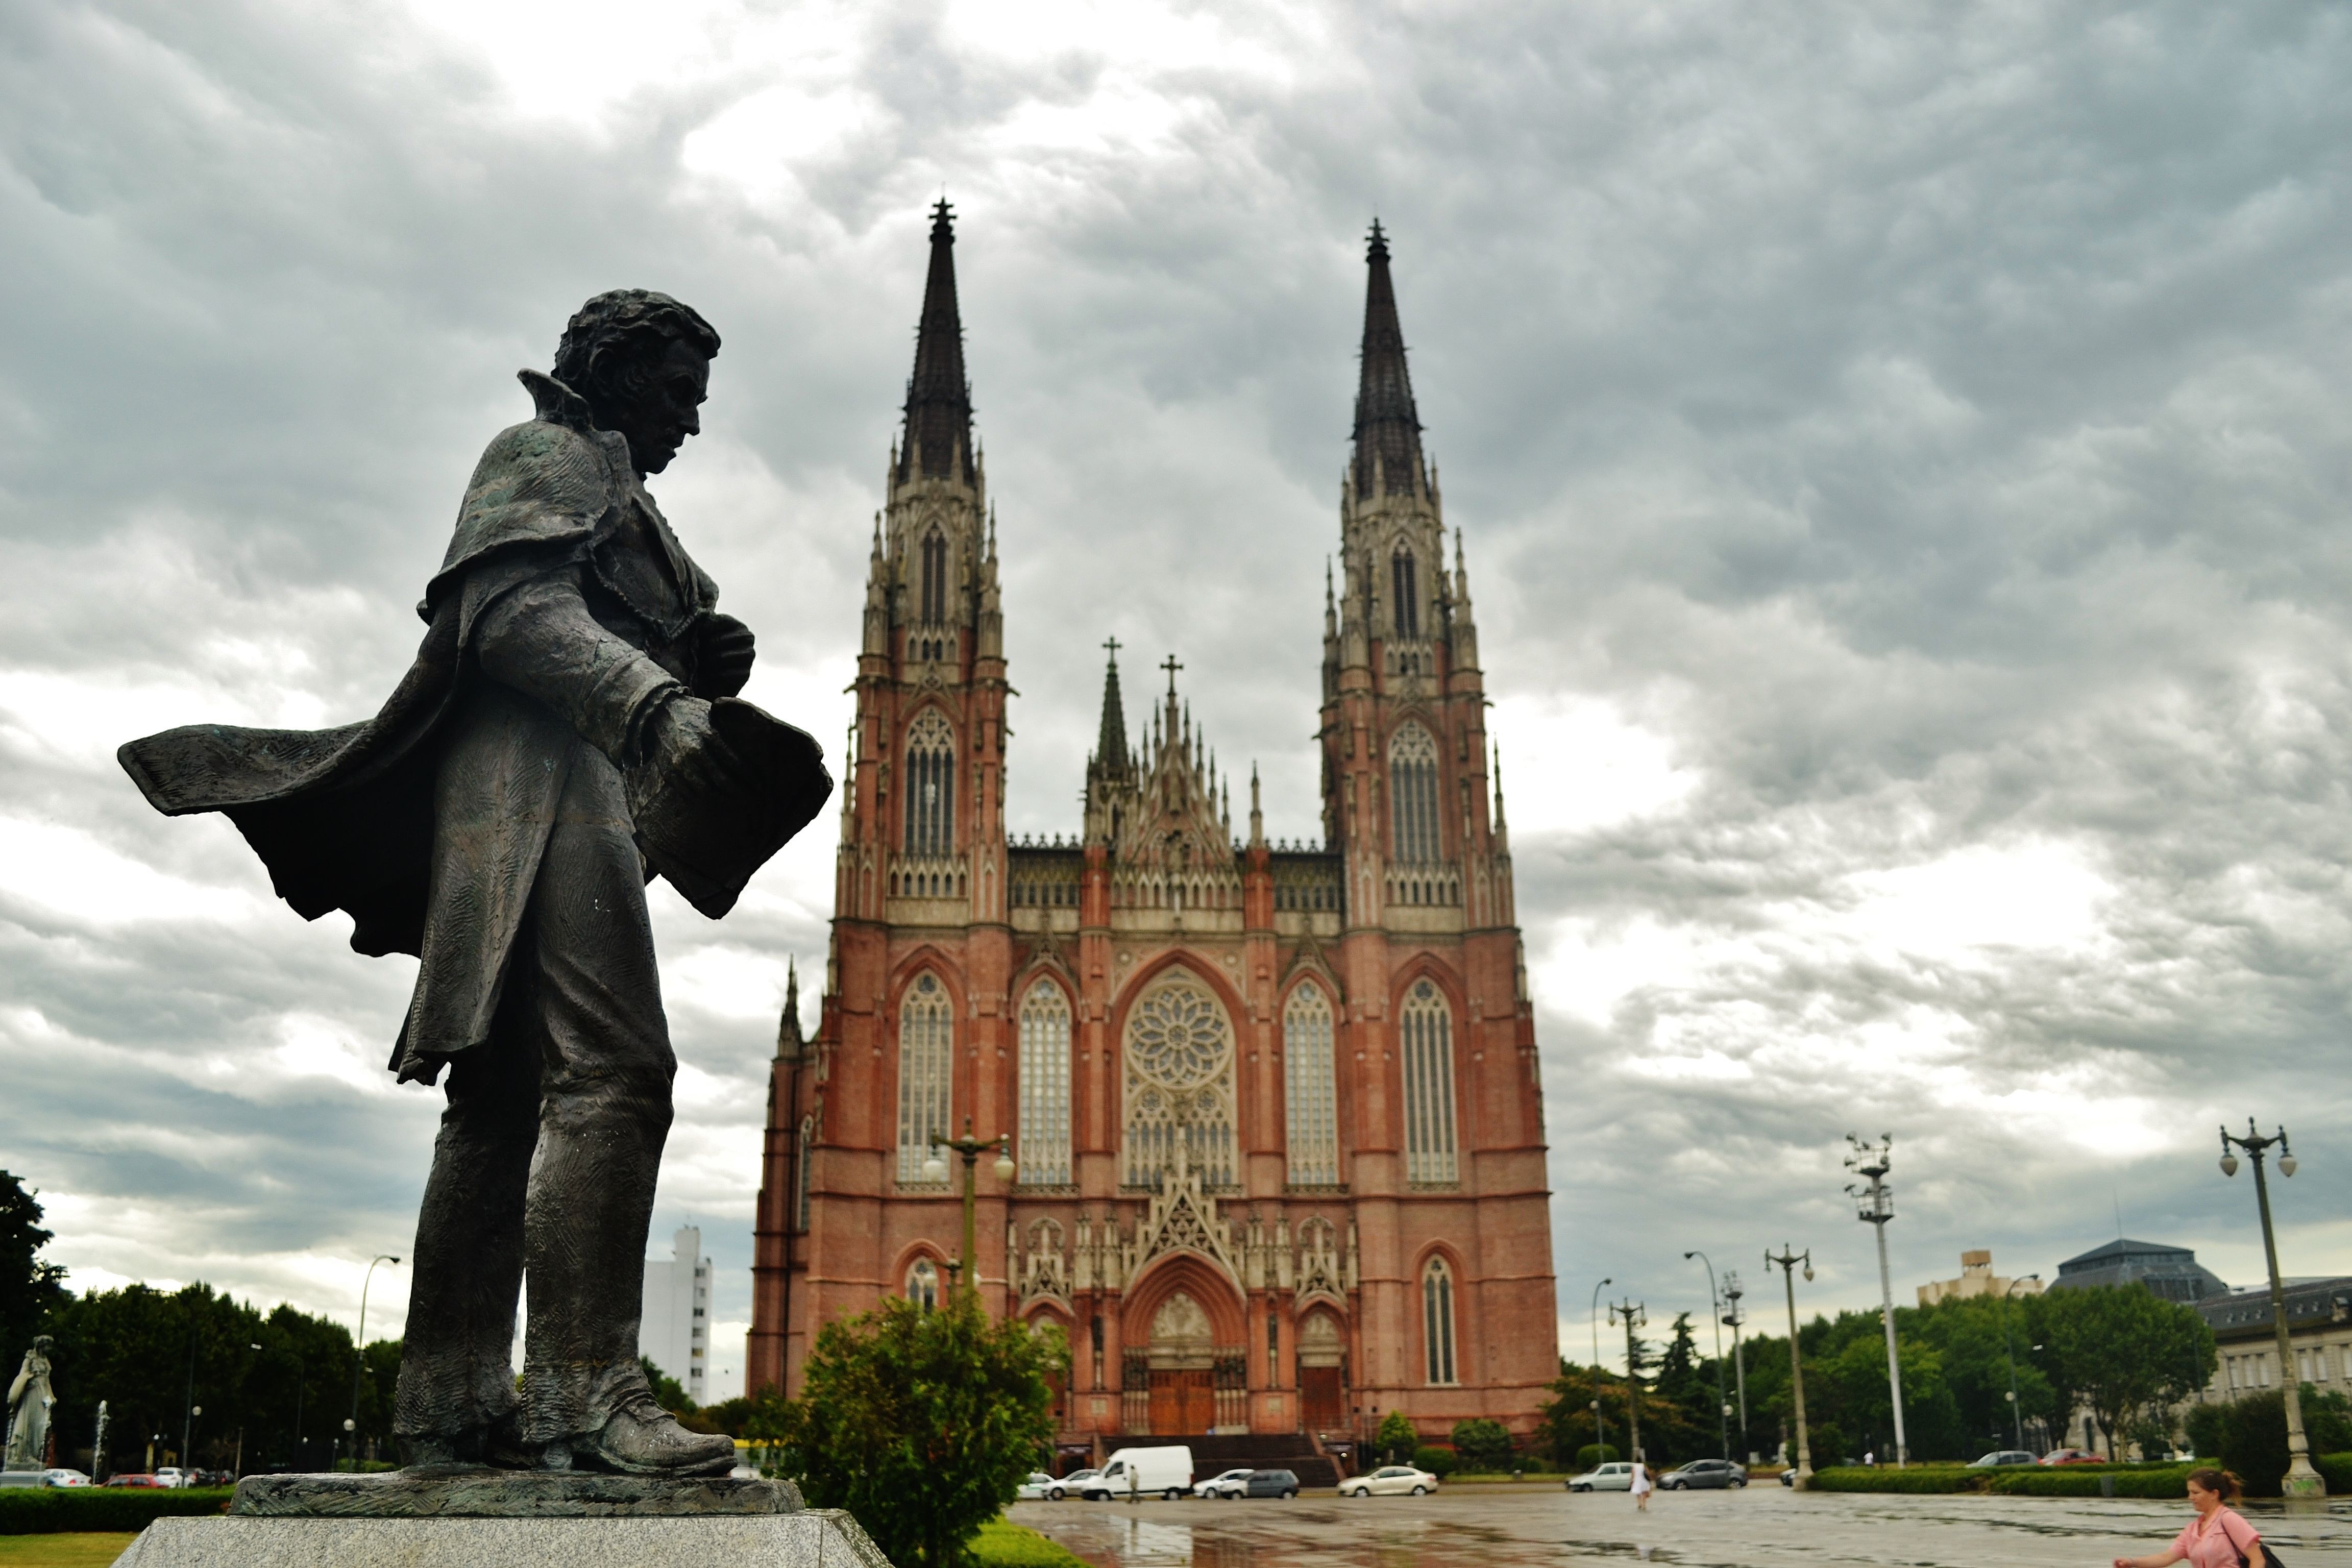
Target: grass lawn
1000, 1544
69, 1549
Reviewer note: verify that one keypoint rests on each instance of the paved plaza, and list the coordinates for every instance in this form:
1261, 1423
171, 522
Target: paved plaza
1762, 1527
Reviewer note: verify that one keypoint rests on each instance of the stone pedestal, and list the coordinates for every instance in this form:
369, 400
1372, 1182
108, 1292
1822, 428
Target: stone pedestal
462, 1519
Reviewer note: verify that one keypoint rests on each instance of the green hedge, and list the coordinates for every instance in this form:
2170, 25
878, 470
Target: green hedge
2336, 1470
1886, 1478
43, 1511
2018, 1480
2083, 1480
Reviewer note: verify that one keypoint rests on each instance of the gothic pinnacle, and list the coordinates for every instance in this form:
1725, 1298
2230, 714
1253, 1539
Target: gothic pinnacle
1388, 428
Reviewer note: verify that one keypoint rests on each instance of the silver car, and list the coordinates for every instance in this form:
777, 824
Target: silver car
1612, 1477
1389, 1481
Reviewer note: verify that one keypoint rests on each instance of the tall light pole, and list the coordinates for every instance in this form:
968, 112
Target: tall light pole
359, 1361
1873, 1162
1715, 1310
1732, 1320
936, 1170
2016, 1413
2301, 1480
1631, 1314
1787, 1263
1592, 1315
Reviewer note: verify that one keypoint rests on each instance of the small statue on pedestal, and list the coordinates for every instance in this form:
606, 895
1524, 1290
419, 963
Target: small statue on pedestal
30, 1399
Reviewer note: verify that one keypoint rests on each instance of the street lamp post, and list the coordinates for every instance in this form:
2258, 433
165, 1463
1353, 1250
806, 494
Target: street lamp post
2301, 1480
936, 1170
1715, 1310
1787, 1263
1874, 1160
1593, 1316
1631, 1314
359, 1362
2016, 1413
1732, 1320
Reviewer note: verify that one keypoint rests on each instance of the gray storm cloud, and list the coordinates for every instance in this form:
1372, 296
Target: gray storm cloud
1902, 455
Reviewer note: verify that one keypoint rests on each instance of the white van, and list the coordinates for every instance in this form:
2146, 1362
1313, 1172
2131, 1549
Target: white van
1167, 1472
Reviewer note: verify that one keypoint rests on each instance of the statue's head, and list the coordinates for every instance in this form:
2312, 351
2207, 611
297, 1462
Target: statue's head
41, 1343
643, 361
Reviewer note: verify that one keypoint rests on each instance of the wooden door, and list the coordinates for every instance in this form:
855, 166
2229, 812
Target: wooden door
1183, 1400
1322, 1405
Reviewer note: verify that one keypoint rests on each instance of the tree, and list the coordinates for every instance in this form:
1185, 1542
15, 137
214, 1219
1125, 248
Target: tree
1396, 1436
30, 1289
2248, 1434
2120, 1349
922, 1424
1564, 1422
1483, 1444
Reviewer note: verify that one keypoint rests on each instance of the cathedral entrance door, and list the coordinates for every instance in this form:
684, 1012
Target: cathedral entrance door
1322, 1380
1183, 1400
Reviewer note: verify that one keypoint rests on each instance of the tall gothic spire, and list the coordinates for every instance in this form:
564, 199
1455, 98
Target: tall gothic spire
1110, 746
938, 398
1388, 430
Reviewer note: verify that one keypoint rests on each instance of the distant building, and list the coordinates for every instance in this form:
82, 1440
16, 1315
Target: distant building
675, 1332
2319, 1331
2172, 1272
1976, 1279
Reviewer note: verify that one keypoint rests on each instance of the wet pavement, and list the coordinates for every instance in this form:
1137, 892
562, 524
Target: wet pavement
1763, 1527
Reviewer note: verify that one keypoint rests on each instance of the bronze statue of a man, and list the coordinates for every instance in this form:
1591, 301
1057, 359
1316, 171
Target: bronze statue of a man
567, 731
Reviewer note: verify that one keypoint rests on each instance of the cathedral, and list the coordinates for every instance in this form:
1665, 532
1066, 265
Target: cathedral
1273, 1111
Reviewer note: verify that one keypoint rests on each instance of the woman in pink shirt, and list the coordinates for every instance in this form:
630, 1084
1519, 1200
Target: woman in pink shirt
2218, 1537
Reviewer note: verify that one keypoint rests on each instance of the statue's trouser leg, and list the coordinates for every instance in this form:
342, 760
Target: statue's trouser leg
456, 1370
604, 1113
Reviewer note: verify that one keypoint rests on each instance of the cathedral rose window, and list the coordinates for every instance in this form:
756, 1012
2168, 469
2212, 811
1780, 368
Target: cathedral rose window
1180, 1084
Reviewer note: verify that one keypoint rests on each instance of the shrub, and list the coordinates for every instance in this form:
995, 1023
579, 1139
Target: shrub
44, 1511
1482, 1445
2249, 1435
922, 1424
2087, 1480
1395, 1436
2337, 1470
1916, 1478
1593, 1456
1827, 1442
1439, 1462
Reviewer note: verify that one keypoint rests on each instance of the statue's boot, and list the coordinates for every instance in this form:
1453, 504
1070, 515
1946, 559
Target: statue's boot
641, 1438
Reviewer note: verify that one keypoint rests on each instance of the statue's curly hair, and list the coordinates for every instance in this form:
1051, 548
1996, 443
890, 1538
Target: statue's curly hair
636, 319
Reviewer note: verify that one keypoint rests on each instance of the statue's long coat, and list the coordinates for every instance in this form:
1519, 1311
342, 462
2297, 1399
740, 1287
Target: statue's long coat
345, 818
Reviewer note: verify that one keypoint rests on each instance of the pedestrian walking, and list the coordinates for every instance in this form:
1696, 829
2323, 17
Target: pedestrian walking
1642, 1486
2218, 1537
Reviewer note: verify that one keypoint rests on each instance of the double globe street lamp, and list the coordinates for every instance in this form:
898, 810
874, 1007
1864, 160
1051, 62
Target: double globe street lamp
935, 1171
2302, 1480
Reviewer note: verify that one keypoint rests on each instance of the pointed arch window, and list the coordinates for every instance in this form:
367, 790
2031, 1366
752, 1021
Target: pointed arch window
1044, 1151
1404, 580
930, 790
1427, 1025
1437, 1321
1412, 795
934, 579
923, 1285
926, 1060
1313, 1147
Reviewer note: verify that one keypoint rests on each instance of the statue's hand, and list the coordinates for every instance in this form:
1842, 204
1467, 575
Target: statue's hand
678, 739
722, 656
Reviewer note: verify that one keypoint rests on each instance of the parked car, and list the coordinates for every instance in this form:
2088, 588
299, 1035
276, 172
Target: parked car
1610, 1477
1037, 1488
1271, 1483
1077, 1480
1703, 1473
1166, 1469
132, 1479
64, 1477
2001, 1456
1389, 1481
172, 1475
1231, 1483
2072, 1457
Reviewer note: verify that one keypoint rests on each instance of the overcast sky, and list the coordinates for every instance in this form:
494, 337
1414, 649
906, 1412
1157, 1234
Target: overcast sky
1902, 450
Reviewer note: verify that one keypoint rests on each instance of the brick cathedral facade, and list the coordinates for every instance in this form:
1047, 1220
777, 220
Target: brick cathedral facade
1275, 1110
